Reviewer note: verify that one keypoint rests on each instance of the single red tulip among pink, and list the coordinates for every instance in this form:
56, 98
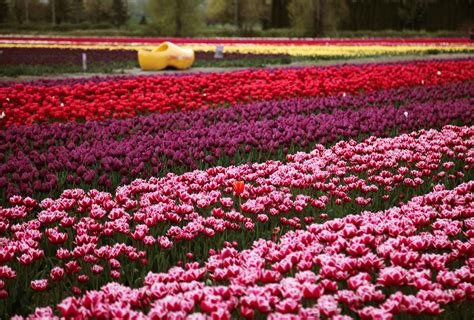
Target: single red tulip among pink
239, 187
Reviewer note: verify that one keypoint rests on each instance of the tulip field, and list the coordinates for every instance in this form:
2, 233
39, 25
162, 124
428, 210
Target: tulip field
295, 47
46, 55
339, 192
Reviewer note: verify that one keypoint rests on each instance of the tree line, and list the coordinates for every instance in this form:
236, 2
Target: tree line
303, 17
58, 12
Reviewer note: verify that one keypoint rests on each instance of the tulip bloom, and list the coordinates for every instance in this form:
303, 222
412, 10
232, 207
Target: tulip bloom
239, 187
39, 285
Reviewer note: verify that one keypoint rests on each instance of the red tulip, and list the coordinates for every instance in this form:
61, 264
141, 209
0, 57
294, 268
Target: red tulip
239, 187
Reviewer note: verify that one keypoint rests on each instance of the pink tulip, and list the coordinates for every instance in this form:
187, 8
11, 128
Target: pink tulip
39, 285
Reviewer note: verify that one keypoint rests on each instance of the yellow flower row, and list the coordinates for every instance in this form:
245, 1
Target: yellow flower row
303, 50
340, 50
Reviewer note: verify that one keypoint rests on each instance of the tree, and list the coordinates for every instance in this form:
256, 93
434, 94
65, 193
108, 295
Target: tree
24, 11
52, 4
412, 14
77, 10
220, 11
244, 13
3, 11
175, 17
38, 11
119, 12
93, 10
280, 17
17, 9
63, 11
252, 12
27, 11
316, 17
98, 11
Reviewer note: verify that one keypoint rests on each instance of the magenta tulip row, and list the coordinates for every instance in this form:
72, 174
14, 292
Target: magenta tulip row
413, 259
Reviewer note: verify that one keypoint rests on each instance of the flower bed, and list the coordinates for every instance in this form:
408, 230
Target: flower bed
315, 51
54, 57
266, 41
328, 48
46, 159
83, 240
23, 104
312, 195
340, 51
414, 259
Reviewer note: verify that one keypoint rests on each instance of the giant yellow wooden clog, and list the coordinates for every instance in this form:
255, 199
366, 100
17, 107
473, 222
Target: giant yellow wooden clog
165, 55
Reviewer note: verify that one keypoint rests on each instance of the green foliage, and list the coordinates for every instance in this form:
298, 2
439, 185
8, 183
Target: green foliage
17, 11
279, 14
174, 17
252, 12
97, 11
119, 12
251, 17
412, 14
219, 11
77, 10
3, 10
316, 17
63, 10
432, 15
245, 14
163, 14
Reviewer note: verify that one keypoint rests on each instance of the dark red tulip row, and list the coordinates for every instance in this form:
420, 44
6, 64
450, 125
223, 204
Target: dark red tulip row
54, 56
25, 105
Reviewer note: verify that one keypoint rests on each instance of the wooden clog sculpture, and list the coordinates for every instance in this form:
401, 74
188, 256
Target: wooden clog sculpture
165, 55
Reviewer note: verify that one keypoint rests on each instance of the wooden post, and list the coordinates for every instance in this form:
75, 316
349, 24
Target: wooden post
219, 54
84, 61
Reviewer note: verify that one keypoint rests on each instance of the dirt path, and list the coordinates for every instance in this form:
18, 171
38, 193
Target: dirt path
139, 72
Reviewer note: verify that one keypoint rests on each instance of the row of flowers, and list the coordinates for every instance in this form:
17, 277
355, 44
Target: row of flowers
320, 51
84, 239
339, 51
23, 104
72, 81
413, 259
46, 159
49, 56
267, 41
